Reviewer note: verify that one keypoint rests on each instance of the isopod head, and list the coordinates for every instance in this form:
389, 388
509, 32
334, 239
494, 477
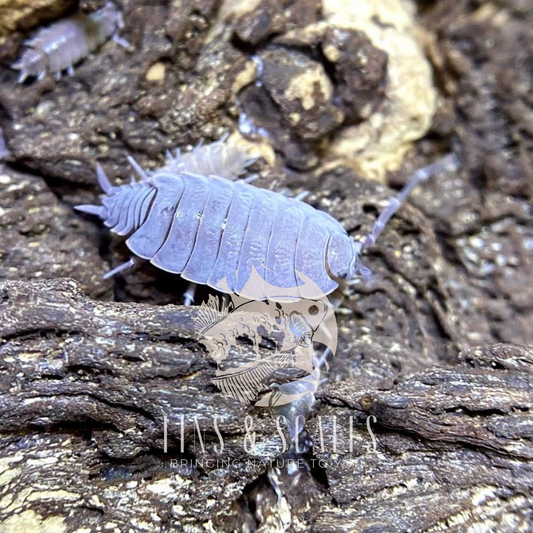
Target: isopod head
109, 20
342, 258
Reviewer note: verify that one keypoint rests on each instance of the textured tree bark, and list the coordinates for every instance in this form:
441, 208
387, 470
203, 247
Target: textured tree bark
86, 386
105, 387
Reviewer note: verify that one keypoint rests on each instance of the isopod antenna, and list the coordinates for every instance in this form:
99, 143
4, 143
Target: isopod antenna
448, 162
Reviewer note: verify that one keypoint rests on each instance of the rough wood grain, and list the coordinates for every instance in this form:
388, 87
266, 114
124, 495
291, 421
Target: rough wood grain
438, 347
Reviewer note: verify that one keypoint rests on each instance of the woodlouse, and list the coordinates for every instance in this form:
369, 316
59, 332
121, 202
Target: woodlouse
214, 159
206, 227
62, 44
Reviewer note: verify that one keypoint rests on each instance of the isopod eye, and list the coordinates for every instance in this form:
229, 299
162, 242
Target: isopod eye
313, 310
341, 257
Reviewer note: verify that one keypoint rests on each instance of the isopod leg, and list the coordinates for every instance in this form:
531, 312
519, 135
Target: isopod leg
122, 42
302, 195
142, 174
251, 178
70, 71
97, 210
23, 74
3, 147
364, 272
188, 296
422, 174
103, 180
120, 268
320, 360
287, 192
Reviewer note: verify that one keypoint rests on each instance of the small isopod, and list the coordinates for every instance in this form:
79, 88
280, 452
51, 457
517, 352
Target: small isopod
61, 45
193, 218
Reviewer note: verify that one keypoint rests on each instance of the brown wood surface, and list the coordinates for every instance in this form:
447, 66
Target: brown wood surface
438, 348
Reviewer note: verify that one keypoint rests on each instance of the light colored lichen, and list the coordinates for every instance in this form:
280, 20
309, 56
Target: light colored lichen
303, 87
30, 522
380, 143
260, 149
229, 11
245, 76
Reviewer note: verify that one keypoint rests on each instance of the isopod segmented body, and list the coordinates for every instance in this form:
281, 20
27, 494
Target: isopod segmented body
62, 44
214, 159
207, 227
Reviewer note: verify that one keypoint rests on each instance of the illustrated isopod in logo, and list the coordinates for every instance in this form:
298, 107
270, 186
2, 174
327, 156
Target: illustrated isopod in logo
285, 322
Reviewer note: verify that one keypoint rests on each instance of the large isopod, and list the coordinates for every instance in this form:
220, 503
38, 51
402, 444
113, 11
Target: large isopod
194, 218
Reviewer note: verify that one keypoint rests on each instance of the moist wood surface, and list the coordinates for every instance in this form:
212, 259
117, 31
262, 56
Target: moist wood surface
438, 348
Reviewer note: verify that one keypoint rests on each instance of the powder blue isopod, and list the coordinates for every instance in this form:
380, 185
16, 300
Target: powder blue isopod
62, 44
194, 218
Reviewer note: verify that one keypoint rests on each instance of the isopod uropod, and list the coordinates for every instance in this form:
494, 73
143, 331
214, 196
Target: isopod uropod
64, 43
193, 218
